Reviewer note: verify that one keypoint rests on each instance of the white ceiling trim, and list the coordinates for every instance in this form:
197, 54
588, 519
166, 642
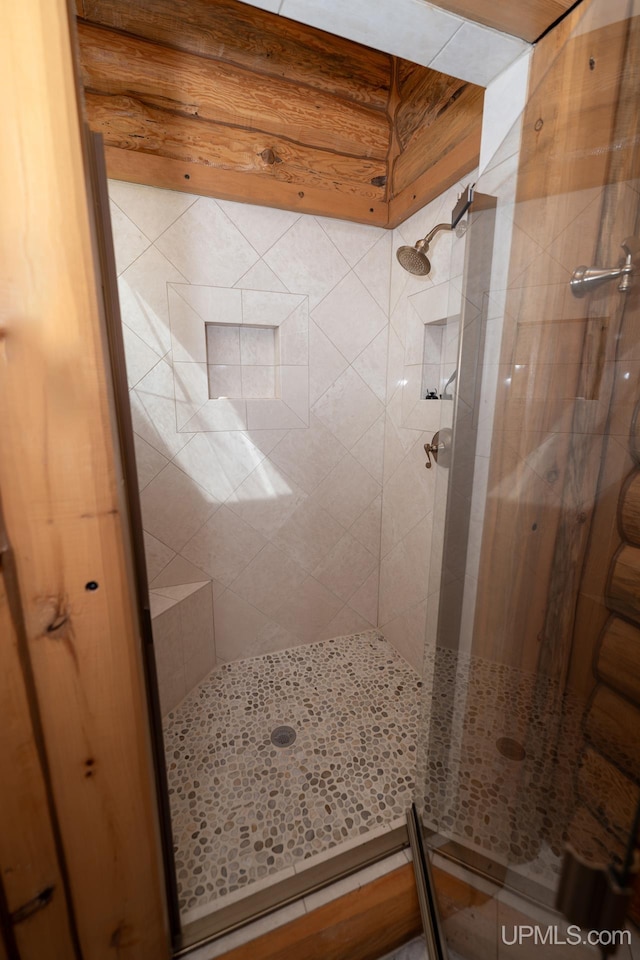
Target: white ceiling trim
412, 29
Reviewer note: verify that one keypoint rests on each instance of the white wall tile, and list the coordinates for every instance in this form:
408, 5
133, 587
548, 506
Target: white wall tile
257, 346
174, 507
260, 277
159, 604
140, 358
369, 450
347, 621
206, 247
326, 363
353, 240
266, 499
157, 555
223, 343
269, 580
268, 309
219, 461
262, 414
259, 382
225, 381
348, 408
404, 573
371, 364
308, 535
366, 529
191, 391
307, 261
374, 270
270, 534
212, 304
149, 461
129, 242
262, 226
178, 571
188, 335
365, 600
504, 102
223, 546
309, 610
335, 316
142, 290
237, 624
293, 337
347, 491
152, 210
294, 389
307, 456
153, 410
345, 568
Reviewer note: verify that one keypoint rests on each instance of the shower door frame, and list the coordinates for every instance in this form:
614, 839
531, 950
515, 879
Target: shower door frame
222, 920
473, 859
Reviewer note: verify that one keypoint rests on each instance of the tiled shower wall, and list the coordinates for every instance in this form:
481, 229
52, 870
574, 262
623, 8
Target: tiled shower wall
273, 499
275, 504
419, 305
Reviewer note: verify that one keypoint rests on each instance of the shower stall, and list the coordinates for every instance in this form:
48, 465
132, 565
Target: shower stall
338, 633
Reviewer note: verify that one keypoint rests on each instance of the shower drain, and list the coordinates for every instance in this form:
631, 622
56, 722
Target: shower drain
283, 736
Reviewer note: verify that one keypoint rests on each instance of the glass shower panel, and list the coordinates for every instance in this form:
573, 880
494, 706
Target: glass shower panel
531, 713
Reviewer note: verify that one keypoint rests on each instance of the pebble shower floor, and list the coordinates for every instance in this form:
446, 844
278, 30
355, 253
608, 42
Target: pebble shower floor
244, 809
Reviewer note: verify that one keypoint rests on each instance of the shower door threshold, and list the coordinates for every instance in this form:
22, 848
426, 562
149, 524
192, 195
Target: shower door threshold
435, 940
224, 920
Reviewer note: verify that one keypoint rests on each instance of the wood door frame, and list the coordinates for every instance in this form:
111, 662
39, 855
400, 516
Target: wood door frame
65, 513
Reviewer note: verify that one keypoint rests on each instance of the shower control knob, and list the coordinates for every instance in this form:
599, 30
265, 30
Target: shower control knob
439, 448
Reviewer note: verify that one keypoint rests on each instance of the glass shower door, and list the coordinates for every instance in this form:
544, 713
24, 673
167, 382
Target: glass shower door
530, 753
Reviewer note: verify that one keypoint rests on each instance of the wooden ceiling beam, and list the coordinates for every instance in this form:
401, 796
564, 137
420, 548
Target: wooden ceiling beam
217, 97
120, 65
262, 42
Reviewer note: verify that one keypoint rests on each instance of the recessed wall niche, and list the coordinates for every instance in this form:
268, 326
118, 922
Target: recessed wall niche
242, 361
439, 358
240, 358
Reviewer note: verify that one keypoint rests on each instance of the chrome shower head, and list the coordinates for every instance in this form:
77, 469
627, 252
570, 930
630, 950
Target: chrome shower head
414, 259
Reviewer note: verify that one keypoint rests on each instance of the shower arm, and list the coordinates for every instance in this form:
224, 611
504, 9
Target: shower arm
424, 243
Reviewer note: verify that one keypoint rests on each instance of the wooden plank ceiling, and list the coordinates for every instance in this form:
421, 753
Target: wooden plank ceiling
527, 19
223, 99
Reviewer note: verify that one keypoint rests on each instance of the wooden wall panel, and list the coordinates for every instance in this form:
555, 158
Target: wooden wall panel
289, 115
63, 511
126, 123
437, 124
261, 43
527, 20
630, 510
613, 727
29, 862
618, 662
433, 140
120, 66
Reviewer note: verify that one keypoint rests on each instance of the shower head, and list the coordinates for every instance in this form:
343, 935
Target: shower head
414, 259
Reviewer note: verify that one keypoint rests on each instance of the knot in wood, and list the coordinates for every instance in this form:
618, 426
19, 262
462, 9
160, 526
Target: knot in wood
270, 156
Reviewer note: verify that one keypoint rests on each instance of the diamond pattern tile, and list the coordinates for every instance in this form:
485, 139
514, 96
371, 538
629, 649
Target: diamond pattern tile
280, 506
